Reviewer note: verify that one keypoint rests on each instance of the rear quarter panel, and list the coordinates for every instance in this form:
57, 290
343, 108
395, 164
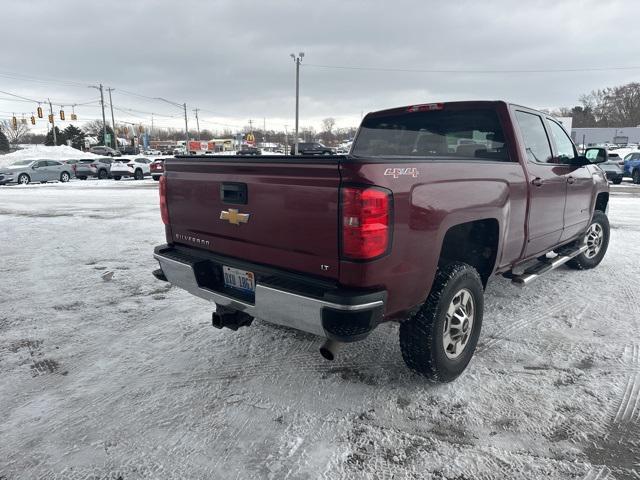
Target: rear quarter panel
443, 194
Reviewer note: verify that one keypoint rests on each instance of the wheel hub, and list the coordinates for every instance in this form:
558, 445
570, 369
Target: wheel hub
593, 240
458, 323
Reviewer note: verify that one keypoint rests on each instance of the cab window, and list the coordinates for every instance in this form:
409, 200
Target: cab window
535, 137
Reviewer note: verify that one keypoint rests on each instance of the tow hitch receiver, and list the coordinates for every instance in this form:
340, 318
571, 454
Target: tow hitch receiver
233, 319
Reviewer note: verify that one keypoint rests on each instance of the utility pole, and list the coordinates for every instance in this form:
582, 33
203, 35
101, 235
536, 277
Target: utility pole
297, 60
186, 129
264, 130
53, 124
197, 121
113, 122
104, 121
152, 125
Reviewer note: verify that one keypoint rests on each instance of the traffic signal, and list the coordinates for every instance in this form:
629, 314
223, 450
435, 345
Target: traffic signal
50, 118
74, 116
33, 120
23, 121
14, 122
39, 112
61, 114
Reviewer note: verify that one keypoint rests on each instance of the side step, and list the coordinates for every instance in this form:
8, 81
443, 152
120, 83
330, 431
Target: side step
545, 266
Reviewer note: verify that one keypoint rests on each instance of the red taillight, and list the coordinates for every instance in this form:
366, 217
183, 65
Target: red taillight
164, 211
94, 165
130, 164
621, 163
366, 222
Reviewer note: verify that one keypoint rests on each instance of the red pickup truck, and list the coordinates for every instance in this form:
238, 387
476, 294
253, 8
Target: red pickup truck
432, 200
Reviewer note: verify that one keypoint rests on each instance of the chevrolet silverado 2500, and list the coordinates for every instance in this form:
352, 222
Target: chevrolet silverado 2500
432, 201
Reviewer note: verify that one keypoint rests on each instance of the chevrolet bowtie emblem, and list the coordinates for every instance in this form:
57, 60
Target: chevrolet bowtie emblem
233, 217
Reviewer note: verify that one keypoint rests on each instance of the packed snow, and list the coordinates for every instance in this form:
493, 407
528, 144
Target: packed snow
106, 372
37, 152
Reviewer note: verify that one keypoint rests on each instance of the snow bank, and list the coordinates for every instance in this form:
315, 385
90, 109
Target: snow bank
35, 152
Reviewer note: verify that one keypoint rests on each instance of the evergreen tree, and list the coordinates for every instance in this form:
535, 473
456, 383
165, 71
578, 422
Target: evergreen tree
76, 136
4, 143
60, 138
101, 136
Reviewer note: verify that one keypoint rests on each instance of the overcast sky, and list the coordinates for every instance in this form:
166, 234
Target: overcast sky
230, 58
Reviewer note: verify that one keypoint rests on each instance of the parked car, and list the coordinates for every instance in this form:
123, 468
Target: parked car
93, 168
632, 167
129, 150
157, 168
27, 171
249, 151
313, 148
137, 168
72, 163
613, 168
152, 152
104, 150
408, 228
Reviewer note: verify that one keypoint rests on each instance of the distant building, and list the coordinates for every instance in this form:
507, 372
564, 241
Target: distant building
600, 136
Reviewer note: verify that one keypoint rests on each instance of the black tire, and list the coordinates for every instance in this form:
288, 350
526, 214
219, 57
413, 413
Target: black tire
422, 336
82, 178
157, 179
617, 180
102, 175
117, 177
587, 260
65, 177
636, 176
138, 175
23, 179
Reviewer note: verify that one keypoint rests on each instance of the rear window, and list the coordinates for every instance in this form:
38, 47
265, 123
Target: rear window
443, 134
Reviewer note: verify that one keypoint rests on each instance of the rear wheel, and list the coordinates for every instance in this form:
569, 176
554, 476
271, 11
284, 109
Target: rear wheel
138, 175
82, 178
102, 174
439, 340
64, 177
23, 179
636, 176
597, 241
117, 177
617, 180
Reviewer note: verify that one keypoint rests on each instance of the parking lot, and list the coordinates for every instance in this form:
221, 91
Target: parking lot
106, 372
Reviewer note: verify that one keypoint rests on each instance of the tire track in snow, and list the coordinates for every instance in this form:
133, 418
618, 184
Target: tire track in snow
596, 473
629, 409
518, 325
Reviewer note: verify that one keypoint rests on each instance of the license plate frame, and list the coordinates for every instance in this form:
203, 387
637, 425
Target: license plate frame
241, 280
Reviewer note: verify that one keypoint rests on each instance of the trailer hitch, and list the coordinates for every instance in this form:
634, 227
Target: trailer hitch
229, 318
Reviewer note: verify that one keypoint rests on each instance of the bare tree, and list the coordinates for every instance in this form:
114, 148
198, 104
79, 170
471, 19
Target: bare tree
15, 135
328, 124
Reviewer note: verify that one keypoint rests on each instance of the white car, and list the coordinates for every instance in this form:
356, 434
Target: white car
138, 168
152, 152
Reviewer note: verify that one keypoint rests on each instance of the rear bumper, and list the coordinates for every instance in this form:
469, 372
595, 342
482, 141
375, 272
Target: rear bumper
344, 315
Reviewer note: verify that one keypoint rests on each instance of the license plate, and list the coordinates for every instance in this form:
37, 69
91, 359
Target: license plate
240, 279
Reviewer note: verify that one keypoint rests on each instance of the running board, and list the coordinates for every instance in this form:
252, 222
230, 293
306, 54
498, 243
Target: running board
545, 266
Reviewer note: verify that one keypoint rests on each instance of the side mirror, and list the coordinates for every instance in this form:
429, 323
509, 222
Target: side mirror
596, 155
34, 166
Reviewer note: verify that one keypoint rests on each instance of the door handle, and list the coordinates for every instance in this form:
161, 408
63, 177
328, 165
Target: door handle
537, 182
571, 180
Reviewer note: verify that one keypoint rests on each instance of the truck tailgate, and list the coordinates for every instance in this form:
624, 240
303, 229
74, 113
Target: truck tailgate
288, 218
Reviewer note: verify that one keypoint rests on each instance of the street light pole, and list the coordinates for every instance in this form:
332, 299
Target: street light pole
297, 59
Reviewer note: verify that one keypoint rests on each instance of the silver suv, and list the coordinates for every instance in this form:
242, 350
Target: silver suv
94, 167
103, 150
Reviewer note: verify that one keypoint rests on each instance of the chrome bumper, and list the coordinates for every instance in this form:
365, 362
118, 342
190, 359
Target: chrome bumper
271, 305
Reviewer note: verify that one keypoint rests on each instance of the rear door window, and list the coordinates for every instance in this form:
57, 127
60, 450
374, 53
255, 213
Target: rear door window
564, 145
535, 137
460, 134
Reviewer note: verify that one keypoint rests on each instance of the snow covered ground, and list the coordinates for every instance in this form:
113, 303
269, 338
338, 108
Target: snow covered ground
107, 373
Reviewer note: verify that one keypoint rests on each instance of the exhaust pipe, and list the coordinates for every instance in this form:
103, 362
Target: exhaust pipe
329, 349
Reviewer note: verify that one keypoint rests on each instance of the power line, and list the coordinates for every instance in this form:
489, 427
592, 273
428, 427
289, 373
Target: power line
469, 71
